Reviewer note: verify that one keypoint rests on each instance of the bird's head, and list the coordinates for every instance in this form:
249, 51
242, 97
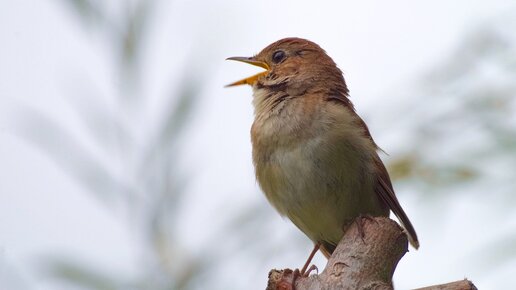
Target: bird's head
295, 66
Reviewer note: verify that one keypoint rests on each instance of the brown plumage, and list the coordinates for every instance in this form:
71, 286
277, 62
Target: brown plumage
314, 156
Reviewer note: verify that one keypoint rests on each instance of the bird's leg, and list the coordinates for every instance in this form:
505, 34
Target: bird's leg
304, 272
290, 284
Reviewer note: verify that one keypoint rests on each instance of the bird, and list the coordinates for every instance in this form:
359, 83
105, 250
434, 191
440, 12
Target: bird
314, 157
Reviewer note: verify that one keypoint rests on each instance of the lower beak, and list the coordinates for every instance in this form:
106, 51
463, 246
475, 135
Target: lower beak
252, 79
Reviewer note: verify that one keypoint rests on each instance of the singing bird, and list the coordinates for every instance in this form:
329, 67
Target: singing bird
314, 157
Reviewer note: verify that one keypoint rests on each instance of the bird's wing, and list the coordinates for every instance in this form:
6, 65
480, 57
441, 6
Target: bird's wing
386, 193
383, 183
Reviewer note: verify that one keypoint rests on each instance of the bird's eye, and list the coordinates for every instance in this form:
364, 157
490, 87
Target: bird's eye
278, 56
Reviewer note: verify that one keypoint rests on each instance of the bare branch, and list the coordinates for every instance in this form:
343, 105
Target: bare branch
359, 262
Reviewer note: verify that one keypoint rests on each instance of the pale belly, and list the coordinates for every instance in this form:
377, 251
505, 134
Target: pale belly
321, 188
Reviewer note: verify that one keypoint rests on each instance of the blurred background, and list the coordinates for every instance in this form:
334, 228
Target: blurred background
125, 164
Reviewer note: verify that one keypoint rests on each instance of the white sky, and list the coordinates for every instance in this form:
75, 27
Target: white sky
45, 55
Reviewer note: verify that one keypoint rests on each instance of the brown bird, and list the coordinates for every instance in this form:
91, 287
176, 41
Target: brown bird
314, 157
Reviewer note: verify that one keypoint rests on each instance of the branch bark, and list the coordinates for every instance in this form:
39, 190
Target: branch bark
359, 262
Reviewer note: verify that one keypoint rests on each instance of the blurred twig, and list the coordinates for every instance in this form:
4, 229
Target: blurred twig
150, 180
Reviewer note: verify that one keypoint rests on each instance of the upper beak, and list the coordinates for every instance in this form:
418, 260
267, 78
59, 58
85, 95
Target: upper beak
252, 79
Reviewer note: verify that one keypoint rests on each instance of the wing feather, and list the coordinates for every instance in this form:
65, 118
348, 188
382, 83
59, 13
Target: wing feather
386, 193
383, 187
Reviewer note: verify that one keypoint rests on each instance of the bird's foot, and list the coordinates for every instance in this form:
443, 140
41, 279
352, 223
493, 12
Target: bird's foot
309, 260
359, 221
308, 271
288, 278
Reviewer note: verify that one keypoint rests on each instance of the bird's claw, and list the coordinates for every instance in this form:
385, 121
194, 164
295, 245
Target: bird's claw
360, 225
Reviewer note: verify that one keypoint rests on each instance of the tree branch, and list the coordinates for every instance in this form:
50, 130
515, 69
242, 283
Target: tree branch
366, 262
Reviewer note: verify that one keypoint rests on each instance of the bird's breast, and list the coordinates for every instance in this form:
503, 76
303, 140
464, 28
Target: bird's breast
311, 168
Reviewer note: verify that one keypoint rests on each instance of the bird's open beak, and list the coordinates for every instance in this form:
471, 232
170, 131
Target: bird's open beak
252, 79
